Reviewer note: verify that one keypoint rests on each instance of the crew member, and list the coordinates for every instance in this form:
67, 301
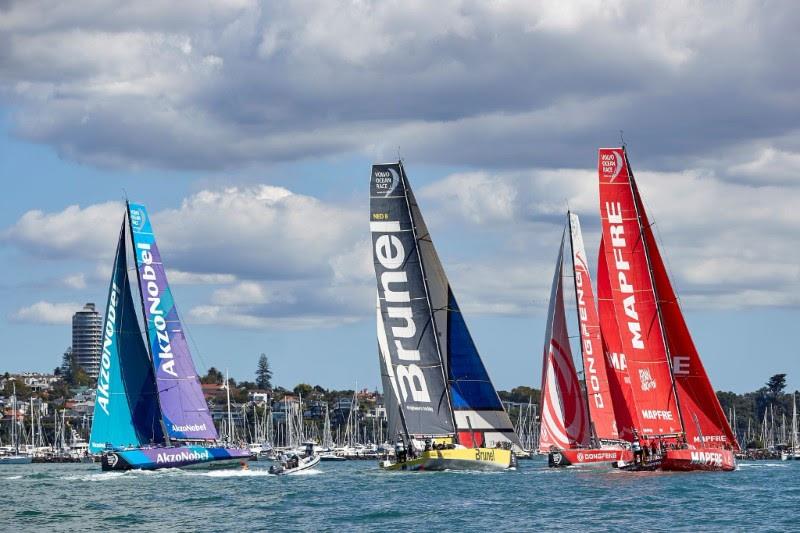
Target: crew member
636, 447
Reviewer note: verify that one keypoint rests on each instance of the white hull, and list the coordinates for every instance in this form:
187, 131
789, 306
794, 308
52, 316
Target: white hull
305, 464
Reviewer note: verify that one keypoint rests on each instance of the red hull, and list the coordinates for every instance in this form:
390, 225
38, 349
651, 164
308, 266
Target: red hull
712, 459
588, 457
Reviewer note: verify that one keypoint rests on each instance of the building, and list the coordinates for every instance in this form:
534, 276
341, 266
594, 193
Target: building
87, 330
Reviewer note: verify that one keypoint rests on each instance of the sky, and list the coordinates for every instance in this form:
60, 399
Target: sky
249, 128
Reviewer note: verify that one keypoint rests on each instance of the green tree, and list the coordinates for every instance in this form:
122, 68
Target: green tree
263, 373
304, 389
776, 384
213, 376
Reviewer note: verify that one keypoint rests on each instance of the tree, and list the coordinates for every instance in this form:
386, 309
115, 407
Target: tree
303, 389
776, 384
263, 373
213, 377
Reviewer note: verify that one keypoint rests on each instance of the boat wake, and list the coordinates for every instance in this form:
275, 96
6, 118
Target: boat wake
761, 465
309, 472
12, 477
231, 473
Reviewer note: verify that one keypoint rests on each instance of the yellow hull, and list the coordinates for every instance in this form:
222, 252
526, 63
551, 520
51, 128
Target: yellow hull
485, 459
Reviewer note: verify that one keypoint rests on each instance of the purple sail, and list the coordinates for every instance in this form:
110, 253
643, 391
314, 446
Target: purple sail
183, 407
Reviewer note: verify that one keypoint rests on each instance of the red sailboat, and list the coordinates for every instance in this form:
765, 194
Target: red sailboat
674, 419
577, 428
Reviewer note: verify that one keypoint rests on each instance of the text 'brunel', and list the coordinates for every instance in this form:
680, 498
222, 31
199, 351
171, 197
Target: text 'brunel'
391, 254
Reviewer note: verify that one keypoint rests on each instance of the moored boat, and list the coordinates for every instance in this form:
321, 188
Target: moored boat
149, 410
443, 411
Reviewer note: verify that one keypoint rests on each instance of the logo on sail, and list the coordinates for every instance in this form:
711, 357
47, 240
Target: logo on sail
611, 165
386, 181
138, 219
646, 380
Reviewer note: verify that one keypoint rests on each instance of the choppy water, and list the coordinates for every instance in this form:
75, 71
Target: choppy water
356, 496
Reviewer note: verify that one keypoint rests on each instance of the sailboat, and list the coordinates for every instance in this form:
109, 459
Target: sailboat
149, 410
443, 411
672, 404
793, 451
15, 456
577, 428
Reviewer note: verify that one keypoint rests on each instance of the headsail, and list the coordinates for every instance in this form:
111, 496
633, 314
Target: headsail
564, 420
601, 406
619, 381
126, 403
634, 302
183, 406
703, 418
406, 331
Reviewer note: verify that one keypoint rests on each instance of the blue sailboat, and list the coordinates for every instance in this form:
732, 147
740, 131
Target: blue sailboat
149, 410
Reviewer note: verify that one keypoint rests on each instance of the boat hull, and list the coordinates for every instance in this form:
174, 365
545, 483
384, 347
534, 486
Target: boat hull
305, 464
711, 459
16, 460
598, 457
481, 459
173, 457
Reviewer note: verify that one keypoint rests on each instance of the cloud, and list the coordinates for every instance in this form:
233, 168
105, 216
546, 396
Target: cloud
179, 277
496, 85
75, 281
75, 232
46, 313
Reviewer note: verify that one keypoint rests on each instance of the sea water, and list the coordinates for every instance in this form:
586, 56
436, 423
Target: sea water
357, 496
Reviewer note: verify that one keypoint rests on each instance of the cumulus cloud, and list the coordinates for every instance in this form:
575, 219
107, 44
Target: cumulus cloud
46, 313
510, 84
277, 257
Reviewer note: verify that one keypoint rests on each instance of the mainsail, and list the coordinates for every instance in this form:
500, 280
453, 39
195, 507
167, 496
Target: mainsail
619, 381
126, 409
407, 340
601, 405
635, 305
564, 419
421, 331
183, 407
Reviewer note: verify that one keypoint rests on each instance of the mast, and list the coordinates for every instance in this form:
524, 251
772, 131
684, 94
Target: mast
636, 199
592, 429
428, 296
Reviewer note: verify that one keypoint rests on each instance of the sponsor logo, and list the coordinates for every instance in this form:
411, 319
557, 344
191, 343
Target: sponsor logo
557, 457
409, 379
646, 380
112, 459
597, 456
611, 164
188, 427
153, 294
385, 181
656, 414
138, 219
183, 456
618, 245
103, 395
484, 455
709, 438
588, 347
707, 458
